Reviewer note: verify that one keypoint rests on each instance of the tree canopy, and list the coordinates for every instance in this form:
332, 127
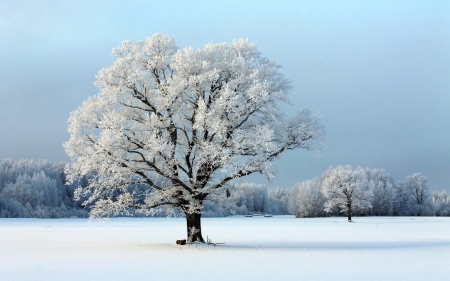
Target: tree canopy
171, 127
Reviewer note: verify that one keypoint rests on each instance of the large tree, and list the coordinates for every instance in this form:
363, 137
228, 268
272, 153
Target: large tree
170, 128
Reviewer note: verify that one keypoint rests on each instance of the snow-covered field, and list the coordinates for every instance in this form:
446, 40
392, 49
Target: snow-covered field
258, 248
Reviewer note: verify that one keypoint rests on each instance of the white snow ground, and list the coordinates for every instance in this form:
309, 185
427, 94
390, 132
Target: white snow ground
258, 248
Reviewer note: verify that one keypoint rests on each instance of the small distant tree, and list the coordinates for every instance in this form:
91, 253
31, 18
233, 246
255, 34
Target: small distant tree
306, 200
417, 185
404, 202
279, 200
383, 187
441, 201
180, 125
348, 189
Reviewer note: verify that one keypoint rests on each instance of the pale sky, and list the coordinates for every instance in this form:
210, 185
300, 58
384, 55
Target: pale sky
377, 71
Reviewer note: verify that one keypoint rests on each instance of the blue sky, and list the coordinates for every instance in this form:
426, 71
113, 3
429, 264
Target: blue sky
377, 71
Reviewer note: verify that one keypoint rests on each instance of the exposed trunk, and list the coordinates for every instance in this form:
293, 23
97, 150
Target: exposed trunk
349, 211
194, 228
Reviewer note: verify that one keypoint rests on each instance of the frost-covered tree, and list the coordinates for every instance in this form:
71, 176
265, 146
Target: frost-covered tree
348, 189
35, 189
278, 201
181, 124
417, 185
404, 202
306, 200
383, 192
249, 198
254, 197
441, 202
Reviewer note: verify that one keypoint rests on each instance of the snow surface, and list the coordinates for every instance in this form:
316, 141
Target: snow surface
257, 248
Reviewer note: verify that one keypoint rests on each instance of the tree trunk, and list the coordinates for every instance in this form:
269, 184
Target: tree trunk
349, 211
194, 229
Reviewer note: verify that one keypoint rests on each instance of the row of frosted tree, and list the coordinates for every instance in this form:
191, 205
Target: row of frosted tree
348, 191
38, 189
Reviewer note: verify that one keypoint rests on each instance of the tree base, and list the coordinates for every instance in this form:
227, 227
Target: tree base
194, 231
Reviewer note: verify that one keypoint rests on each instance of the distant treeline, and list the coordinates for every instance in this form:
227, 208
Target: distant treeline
37, 189
383, 196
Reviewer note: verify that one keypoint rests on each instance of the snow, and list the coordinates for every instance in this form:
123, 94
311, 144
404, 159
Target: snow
276, 248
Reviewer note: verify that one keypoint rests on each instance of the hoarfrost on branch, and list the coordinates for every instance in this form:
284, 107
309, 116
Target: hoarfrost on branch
178, 125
